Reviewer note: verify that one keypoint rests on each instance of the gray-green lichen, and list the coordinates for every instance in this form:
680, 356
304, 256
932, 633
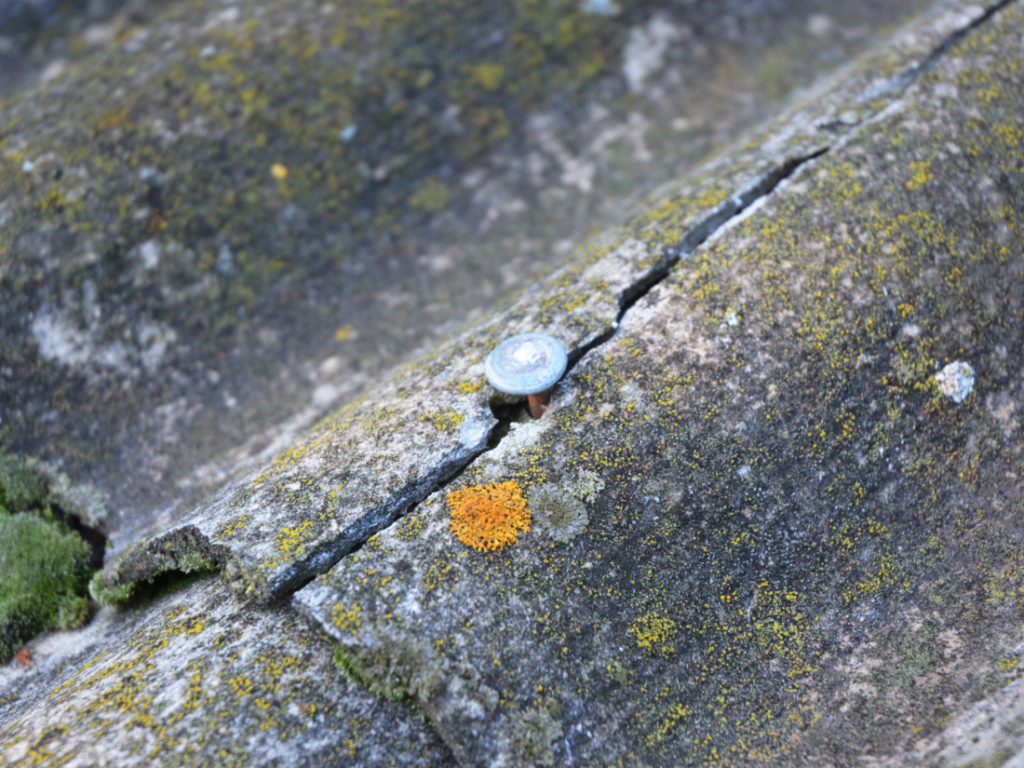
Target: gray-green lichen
117, 595
527, 742
82, 500
555, 512
110, 596
588, 486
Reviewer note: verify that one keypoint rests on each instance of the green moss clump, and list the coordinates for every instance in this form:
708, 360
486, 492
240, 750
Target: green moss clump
73, 613
20, 489
345, 664
195, 564
399, 667
109, 596
44, 567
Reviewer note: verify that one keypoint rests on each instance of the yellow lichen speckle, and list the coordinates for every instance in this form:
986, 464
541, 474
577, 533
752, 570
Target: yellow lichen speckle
445, 421
468, 387
347, 619
654, 634
922, 174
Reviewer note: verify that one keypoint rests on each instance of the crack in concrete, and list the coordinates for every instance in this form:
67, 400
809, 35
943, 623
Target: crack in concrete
720, 218
905, 79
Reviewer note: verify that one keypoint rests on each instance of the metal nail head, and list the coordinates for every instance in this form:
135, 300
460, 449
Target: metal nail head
528, 364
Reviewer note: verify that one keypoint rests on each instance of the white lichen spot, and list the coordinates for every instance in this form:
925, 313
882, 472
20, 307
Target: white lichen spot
149, 254
225, 260
60, 341
154, 341
645, 49
113, 356
410, 605
819, 25
956, 381
600, 7
324, 395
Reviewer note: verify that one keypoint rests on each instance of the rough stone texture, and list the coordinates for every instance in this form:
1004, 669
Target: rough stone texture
986, 733
797, 549
363, 467
174, 314
198, 679
804, 552
39, 39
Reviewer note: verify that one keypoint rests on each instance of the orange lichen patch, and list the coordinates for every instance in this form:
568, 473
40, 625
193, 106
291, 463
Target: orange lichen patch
488, 517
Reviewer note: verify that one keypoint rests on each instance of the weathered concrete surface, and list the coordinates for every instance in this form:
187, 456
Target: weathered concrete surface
169, 303
39, 39
793, 537
799, 549
196, 678
986, 733
359, 470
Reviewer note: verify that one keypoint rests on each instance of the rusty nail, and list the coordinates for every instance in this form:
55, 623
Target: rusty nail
528, 364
